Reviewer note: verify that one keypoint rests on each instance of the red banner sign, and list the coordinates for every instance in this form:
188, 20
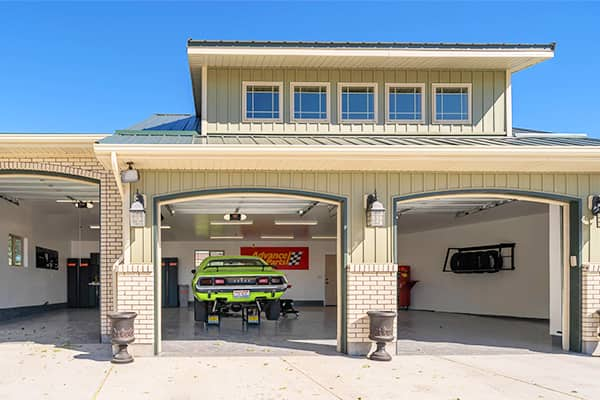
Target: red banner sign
280, 257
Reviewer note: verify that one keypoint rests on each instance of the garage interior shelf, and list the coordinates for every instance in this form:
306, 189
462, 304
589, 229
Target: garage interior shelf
479, 259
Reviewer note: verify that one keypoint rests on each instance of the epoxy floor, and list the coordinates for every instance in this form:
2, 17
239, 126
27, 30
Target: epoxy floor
60, 327
313, 331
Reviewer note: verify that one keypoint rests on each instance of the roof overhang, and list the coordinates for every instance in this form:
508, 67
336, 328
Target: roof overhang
47, 144
353, 158
367, 55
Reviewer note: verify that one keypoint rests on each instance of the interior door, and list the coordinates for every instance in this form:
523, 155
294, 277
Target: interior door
331, 280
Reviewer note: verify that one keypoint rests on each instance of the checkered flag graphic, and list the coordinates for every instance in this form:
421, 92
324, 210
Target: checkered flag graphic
295, 258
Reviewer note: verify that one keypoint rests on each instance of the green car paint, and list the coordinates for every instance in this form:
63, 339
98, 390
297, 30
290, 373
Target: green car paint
238, 274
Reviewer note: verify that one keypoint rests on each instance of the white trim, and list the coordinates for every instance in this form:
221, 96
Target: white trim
326, 85
388, 120
341, 85
508, 104
204, 101
245, 85
469, 88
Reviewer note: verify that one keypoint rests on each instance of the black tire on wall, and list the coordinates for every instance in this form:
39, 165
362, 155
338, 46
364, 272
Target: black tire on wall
273, 310
200, 311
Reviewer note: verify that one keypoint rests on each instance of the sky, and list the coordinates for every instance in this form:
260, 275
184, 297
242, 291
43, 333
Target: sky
94, 67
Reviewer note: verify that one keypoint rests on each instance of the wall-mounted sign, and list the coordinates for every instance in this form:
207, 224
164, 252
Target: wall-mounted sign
280, 257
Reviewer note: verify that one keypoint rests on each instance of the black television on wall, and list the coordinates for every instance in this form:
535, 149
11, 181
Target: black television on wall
46, 258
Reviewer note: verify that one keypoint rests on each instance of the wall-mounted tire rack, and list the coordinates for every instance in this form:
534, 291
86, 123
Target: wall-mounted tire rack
480, 259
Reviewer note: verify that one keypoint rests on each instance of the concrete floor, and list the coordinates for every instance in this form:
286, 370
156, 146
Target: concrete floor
60, 327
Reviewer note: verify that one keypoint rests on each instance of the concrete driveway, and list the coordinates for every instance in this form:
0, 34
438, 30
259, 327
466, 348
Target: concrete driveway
40, 371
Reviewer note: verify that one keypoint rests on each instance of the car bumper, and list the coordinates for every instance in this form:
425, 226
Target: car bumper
225, 293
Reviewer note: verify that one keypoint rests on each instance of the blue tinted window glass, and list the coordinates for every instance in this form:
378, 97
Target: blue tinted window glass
405, 103
452, 104
358, 103
262, 102
310, 102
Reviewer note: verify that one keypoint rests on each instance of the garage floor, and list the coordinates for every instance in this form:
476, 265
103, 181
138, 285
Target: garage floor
61, 327
313, 331
441, 333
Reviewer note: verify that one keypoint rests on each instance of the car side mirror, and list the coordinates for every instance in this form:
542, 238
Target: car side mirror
193, 271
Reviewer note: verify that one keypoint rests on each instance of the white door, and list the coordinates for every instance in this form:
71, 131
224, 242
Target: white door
331, 280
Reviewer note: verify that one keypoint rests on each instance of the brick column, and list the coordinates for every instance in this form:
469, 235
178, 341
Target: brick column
135, 292
590, 288
369, 287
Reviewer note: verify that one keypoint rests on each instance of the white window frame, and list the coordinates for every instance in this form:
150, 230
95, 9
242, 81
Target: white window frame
469, 88
388, 86
24, 250
245, 85
342, 85
327, 87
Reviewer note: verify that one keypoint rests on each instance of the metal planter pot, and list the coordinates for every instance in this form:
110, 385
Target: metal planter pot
381, 331
122, 332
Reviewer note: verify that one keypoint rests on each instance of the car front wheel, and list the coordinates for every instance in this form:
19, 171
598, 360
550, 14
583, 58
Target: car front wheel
273, 310
200, 311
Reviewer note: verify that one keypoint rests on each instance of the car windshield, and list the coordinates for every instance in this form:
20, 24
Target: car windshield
235, 262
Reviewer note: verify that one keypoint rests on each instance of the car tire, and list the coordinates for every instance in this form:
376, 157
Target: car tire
273, 310
200, 311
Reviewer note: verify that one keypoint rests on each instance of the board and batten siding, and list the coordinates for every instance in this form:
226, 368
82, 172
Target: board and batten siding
224, 93
365, 245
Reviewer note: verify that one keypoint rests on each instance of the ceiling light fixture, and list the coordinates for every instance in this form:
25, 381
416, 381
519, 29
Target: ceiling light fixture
277, 237
247, 222
235, 216
94, 226
239, 237
323, 237
165, 227
295, 222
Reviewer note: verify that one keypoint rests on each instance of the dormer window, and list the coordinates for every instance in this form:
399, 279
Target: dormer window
309, 102
358, 102
451, 103
405, 103
262, 101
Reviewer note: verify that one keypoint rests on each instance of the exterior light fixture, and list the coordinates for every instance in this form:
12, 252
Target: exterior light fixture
375, 212
137, 212
130, 175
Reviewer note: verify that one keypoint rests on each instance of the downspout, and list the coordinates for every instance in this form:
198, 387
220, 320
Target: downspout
115, 267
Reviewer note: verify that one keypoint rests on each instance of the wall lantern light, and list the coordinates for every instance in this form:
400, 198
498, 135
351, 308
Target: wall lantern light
137, 212
130, 175
375, 212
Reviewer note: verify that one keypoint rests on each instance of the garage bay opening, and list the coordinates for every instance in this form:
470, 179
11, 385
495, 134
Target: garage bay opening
487, 274
249, 273
49, 260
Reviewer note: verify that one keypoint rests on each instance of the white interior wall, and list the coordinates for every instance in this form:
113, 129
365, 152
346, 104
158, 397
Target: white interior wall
522, 293
31, 286
307, 285
83, 248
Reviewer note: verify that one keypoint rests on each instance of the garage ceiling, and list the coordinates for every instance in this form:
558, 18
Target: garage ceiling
46, 188
192, 220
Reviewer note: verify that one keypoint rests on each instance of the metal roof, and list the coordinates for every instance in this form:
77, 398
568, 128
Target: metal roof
168, 122
370, 45
141, 137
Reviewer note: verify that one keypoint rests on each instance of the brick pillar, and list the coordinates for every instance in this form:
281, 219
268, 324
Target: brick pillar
369, 287
135, 292
590, 287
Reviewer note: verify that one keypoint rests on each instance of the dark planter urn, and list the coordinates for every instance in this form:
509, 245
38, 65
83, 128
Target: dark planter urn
381, 331
122, 334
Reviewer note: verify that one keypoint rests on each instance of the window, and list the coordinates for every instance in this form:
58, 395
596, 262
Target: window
310, 102
15, 251
200, 255
452, 103
405, 102
262, 101
358, 102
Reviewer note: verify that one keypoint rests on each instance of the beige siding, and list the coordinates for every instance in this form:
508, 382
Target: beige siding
364, 244
225, 100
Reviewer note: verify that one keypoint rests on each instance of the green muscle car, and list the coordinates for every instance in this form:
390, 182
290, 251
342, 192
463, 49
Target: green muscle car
226, 282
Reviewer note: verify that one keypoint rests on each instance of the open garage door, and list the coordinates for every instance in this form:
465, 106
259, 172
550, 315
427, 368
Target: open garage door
249, 272
490, 274
49, 260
